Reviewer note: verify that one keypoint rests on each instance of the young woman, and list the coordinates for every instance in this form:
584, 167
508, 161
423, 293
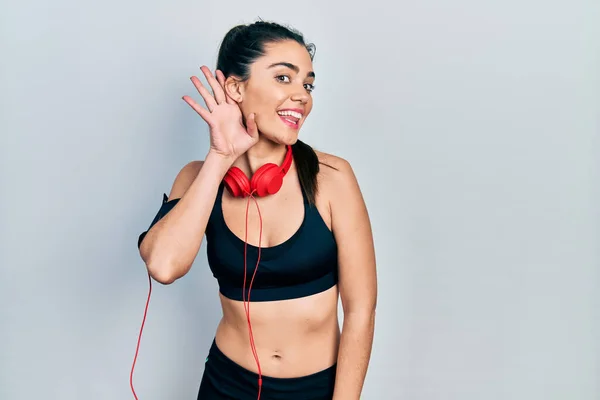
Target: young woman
281, 263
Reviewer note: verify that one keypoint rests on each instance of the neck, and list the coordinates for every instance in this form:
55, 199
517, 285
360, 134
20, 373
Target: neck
263, 152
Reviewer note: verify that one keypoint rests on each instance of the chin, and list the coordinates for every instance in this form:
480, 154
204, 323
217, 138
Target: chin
292, 141
285, 140
283, 136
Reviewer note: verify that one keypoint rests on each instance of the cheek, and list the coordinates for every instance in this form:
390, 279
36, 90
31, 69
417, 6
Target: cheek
308, 108
309, 105
264, 96
259, 102
266, 104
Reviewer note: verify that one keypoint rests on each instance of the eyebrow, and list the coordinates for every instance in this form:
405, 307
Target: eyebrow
291, 66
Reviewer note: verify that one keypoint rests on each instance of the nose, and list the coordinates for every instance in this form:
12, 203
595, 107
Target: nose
301, 95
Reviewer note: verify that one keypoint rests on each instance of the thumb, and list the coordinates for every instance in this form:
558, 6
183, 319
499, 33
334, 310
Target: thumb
251, 125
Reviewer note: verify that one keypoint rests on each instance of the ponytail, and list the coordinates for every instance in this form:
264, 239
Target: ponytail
308, 166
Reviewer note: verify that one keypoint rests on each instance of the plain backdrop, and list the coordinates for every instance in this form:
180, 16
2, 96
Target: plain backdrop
472, 127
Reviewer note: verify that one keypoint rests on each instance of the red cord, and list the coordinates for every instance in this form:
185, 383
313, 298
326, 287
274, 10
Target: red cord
137, 349
247, 307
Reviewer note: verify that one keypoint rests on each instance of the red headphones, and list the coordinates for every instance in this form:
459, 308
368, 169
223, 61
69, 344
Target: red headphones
265, 181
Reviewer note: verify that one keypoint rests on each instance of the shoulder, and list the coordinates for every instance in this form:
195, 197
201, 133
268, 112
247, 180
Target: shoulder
184, 178
337, 179
349, 215
335, 170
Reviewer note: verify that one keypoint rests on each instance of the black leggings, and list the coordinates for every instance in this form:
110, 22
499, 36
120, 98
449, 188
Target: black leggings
223, 379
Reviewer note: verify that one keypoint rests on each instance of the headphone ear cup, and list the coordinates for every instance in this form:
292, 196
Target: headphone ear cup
237, 182
267, 180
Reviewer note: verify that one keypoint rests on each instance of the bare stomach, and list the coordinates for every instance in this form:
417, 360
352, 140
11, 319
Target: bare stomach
293, 338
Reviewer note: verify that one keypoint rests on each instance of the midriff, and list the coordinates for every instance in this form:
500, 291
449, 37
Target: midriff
293, 338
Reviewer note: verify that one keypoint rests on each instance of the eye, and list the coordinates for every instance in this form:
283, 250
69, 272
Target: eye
286, 79
283, 78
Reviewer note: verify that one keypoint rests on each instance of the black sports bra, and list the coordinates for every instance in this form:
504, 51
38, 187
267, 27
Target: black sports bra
305, 264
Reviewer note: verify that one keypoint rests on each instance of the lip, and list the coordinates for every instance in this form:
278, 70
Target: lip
291, 124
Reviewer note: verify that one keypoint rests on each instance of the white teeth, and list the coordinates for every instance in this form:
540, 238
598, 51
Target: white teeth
290, 113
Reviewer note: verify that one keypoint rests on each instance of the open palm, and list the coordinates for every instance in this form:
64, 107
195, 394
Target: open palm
228, 135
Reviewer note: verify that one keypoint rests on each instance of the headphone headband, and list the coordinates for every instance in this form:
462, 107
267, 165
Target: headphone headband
287, 161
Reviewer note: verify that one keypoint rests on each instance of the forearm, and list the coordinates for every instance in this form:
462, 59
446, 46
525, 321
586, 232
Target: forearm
172, 244
354, 354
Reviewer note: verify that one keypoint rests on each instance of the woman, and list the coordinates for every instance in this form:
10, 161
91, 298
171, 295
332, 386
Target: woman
309, 232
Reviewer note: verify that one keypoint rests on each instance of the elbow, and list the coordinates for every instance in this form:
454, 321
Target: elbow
158, 268
162, 278
361, 314
161, 271
360, 322
163, 266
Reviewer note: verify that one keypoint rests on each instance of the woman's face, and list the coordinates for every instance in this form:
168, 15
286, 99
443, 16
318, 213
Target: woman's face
279, 91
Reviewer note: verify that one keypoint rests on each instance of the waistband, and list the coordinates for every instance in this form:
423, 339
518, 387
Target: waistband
231, 379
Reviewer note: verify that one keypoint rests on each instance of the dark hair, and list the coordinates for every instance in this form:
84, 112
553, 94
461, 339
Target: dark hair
239, 49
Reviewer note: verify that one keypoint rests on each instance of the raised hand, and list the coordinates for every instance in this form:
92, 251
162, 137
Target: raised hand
228, 135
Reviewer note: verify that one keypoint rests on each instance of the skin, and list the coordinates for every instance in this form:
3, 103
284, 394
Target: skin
301, 336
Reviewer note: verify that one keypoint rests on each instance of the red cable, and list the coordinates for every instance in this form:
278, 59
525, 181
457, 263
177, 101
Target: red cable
137, 349
247, 307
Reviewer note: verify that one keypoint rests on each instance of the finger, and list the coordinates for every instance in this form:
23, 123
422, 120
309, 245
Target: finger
216, 87
221, 80
251, 126
208, 99
204, 113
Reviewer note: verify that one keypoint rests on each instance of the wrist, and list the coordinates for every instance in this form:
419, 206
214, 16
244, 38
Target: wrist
219, 161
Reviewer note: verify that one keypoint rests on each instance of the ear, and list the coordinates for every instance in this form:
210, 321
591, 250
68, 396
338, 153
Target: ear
234, 88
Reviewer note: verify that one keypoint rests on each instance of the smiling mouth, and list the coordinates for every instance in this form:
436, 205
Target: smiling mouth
290, 118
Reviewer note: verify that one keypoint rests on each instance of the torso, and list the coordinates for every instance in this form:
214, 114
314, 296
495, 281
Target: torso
293, 337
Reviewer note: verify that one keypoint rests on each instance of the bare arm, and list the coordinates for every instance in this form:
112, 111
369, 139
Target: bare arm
358, 283
172, 244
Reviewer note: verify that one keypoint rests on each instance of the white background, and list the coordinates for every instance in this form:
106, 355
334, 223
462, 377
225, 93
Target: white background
472, 127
